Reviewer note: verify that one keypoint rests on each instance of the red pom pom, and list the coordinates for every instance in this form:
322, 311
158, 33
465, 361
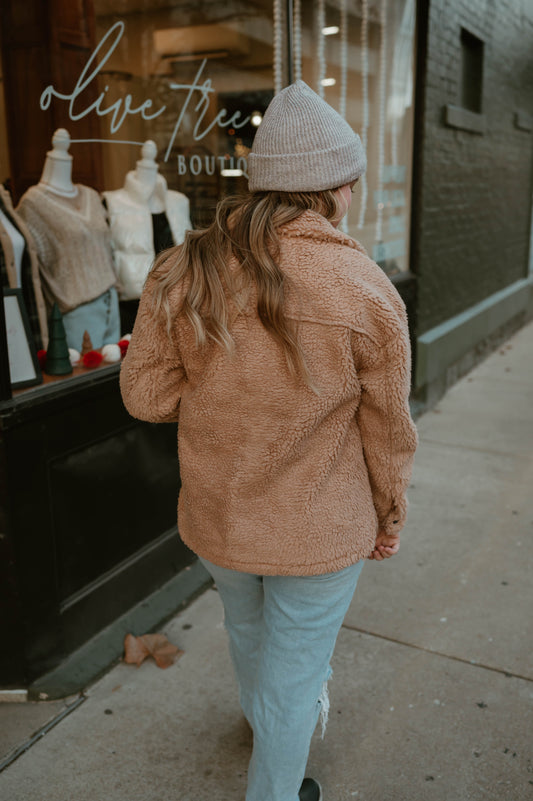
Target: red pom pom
41, 356
92, 358
123, 345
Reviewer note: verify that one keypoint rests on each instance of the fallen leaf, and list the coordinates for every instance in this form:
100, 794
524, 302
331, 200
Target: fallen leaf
137, 649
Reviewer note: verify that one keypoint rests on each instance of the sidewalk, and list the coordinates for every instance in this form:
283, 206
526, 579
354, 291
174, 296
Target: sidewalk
432, 693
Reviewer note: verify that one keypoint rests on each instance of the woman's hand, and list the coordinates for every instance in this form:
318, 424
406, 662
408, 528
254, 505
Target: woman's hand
386, 546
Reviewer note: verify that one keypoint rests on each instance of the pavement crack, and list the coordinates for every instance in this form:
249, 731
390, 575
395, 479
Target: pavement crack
470, 662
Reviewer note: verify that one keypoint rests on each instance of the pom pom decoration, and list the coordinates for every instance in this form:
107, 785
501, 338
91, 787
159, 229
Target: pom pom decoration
41, 357
126, 336
75, 356
111, 353
123, 345
92, 358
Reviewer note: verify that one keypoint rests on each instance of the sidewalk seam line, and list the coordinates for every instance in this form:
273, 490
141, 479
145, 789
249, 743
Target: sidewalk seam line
498, 379
491, 452
40, 733
474, 663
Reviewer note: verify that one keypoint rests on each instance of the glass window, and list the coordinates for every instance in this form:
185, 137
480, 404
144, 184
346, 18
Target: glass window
200, 72
359, 57
137, 120
123, 122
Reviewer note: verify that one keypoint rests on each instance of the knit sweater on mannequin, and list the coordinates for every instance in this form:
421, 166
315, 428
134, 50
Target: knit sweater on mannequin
275, 478
73, 245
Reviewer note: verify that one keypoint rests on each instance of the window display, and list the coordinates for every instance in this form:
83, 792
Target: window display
71, 235
359, 58
145, 217
155, 105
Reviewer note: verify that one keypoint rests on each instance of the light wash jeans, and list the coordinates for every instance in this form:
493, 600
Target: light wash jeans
282, 632
100, 317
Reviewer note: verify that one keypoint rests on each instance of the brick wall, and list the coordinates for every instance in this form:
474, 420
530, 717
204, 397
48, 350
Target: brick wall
474, 194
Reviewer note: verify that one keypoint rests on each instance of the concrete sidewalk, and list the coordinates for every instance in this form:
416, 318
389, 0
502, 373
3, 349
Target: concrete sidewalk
432, 693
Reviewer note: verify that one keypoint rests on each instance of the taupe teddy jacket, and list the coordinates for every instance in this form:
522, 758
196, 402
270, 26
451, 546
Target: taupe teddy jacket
275, 478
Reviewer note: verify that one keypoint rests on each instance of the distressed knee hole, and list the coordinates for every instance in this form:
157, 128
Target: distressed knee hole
323, 700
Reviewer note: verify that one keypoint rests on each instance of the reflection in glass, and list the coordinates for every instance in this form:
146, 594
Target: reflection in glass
210, 67
358, 55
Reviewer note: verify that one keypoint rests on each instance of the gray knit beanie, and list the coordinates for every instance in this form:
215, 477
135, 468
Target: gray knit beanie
303, 145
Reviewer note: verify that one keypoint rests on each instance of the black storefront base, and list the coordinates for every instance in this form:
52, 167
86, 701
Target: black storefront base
405, 283
87, 521
96, 656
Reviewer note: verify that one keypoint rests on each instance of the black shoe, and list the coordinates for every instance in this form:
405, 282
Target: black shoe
310, 791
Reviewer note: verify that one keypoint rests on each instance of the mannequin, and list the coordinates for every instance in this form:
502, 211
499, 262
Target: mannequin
19, 267
145, 217
146, 173
57, 170
73, 246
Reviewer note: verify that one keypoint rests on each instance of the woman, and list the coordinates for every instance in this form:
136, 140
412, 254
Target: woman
283, 350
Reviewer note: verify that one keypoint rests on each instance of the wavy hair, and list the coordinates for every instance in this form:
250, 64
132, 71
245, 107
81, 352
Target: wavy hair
245, 227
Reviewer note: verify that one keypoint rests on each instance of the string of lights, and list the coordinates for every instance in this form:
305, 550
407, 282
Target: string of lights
297, 45
364, 127
321, 46
344, 59
278, 46
382, 113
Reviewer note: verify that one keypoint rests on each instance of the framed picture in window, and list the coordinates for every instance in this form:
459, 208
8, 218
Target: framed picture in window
24, 367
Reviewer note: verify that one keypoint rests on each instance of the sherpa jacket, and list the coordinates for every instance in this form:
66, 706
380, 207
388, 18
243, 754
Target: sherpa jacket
275, 478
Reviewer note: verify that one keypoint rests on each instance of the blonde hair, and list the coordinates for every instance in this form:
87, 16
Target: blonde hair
247, 228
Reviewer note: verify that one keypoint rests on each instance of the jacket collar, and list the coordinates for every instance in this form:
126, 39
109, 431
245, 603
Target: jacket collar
312, 225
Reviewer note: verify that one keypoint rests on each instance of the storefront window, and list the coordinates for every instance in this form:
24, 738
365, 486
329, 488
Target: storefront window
123, 122
359, 56
126, 121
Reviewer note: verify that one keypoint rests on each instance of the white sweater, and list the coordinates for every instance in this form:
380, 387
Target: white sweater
130, 220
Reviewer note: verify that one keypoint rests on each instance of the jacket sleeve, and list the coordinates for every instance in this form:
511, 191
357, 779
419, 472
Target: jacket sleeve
152, 376
388, 433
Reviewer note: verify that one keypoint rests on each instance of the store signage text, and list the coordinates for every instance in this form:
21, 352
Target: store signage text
197, 164
123, 108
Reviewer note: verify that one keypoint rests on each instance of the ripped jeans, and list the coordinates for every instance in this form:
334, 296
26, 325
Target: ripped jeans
282, 632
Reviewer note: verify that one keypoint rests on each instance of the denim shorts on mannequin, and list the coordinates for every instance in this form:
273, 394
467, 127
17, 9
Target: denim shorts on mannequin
100, 317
